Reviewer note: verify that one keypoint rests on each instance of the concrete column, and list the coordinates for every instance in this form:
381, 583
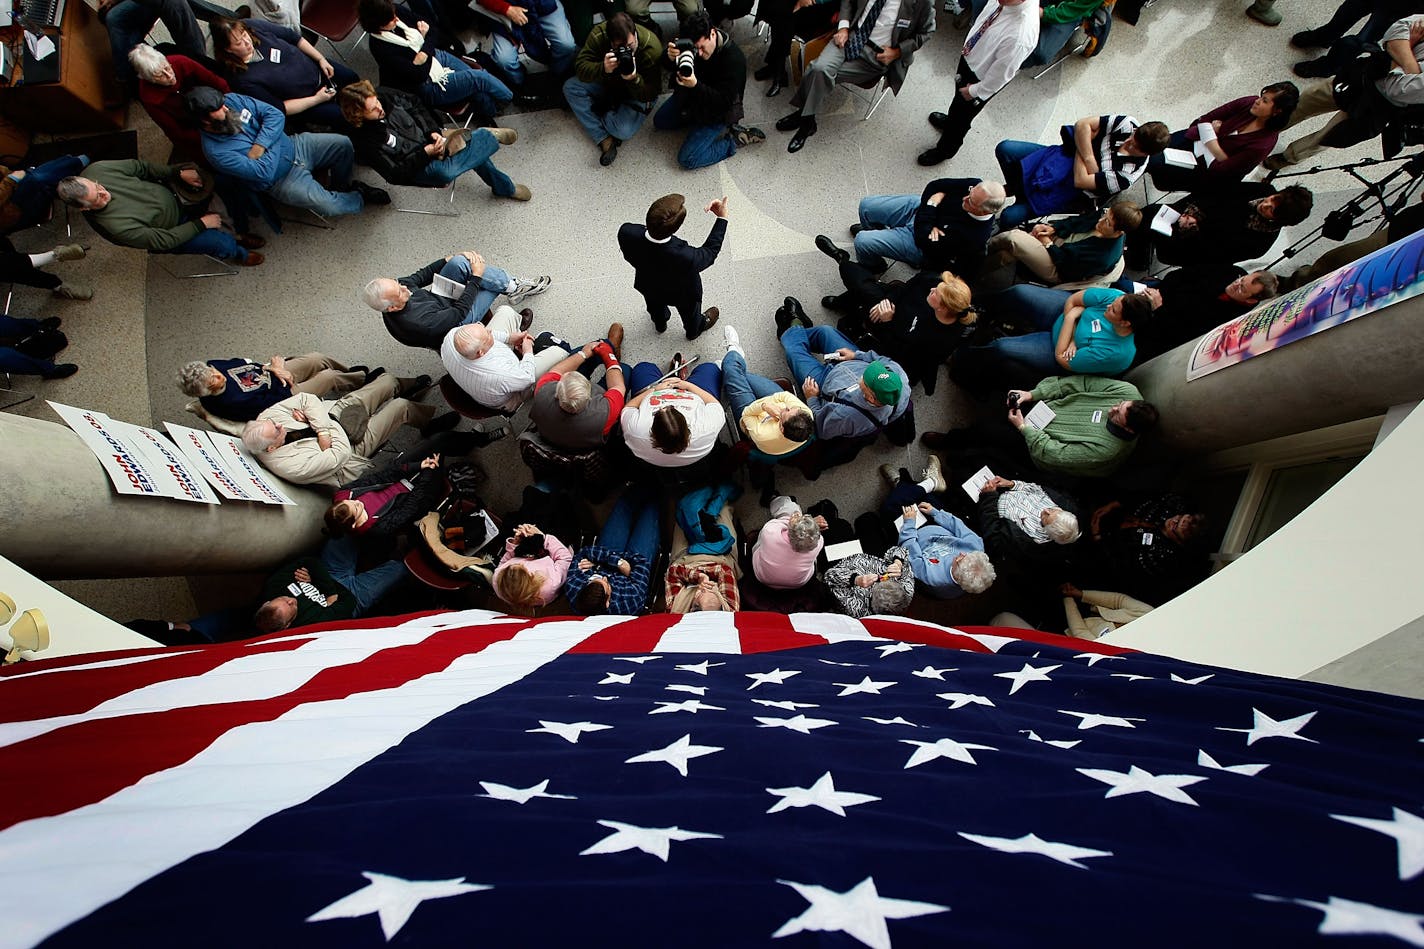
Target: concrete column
60, 518
1348, 372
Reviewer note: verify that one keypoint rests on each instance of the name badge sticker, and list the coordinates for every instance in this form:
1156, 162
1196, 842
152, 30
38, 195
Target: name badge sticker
245, 116
1147, 540
1097, 416
902, 24
276, 54
391, 140
1097, 326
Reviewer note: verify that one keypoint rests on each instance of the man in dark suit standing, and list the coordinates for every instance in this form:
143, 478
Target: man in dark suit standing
873, 38
667, 269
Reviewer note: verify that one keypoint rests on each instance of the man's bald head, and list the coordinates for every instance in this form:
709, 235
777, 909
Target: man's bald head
473, 340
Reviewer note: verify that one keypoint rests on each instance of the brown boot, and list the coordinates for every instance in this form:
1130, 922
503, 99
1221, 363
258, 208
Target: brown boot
615, 340
526, 319
253, 259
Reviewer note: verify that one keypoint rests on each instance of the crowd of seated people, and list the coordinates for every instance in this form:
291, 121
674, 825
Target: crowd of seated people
1016, 286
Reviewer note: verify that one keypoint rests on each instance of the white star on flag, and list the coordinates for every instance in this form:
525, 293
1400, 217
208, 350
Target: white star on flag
392, 899
613, 678
601, 698
568, 731
961, 699
1347, 918
656, 841
822, 794
700, 667
1407, 831
1264, 726
864, 685
1136, 780
1093, 720
897, 720
1250, 770
860, 912
889, 649
690, 689
1095, 657
1033, 736
638, 659
677, 754
800, 723
1032, 843
503, 792
775, 677
849, 665
944, 748
1197, 681
691, 705
930, 672
1129, 676
1027, 674
786, 705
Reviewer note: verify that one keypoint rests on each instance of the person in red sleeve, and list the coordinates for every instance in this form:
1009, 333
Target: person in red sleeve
573, 413
163, 81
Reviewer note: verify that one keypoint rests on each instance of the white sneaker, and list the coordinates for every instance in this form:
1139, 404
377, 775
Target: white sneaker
733, 341
523, 289
933, 472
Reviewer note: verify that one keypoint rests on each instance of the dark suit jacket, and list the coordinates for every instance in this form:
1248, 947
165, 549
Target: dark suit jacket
669, 272
427, 317
918, 17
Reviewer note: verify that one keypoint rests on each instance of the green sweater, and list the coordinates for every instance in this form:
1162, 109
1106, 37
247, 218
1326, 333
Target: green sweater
142, 212
1074, 443
643, 87
310, 597
1067, 11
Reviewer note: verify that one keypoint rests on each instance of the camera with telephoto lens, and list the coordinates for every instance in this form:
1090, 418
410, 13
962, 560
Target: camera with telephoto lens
686, 57
627, 64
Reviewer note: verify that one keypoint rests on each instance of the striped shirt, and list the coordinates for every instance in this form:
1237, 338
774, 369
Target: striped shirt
1116, 171
500, 379
1023, 505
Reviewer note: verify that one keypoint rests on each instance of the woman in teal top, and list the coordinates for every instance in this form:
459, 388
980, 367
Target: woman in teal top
1090, 333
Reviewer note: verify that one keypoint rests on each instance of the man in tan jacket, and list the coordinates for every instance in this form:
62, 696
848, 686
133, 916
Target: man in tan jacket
302, 441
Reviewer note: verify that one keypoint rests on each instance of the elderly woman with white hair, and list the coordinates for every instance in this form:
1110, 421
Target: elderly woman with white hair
570, 411
866, 585
784, 556
163, 81
240, 389
1027, 524
948, 557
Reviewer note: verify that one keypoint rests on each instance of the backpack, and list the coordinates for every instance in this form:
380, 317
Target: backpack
1096, 26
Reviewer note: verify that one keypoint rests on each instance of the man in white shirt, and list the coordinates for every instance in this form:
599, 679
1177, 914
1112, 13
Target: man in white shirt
674, 422
496, 364
1003, 35
874, 38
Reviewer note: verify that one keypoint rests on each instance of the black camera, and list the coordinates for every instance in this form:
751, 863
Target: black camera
1013, 401
686, 57
627, 63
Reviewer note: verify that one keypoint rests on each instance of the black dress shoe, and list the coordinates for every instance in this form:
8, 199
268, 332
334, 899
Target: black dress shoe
939, 120
798, 141
932, 156
775, 88
856, 229
1309, 39
826, 246
798, 315
1313, 68
441, 423
788, 123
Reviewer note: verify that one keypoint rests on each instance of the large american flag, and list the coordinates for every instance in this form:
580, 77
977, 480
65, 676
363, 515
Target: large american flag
476, 779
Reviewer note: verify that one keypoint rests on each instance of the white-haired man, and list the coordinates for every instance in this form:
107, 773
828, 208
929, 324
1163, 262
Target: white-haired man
303, 442
240, 389
784, 556
496, 364
944, 228
417, 315
1026, 524
569, 410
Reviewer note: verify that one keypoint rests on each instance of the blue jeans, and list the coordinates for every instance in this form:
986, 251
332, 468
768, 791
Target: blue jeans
555, 27
705, 375
1040, 307
339, 556
34, 195
1010, 153
215, 242
800, 345
314, 152
622, 121
895, 213
493, 282
12, 360
705, 144
632, 527
742, 388
475, 156
466, 83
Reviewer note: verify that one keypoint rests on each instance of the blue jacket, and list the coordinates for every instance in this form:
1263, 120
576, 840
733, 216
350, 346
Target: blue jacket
933, 548
263, 125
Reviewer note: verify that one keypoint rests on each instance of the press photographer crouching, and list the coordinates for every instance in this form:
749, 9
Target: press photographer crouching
616, 80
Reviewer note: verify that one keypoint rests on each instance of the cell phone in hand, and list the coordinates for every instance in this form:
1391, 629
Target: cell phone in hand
833, 357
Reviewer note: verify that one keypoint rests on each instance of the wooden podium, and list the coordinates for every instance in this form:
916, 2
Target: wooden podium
75, 103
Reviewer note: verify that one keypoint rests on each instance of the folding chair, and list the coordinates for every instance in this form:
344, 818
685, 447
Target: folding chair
333, 20
215, 267
877, 91
445, 208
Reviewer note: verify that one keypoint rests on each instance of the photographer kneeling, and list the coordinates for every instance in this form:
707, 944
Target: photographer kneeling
615, 83
709, 75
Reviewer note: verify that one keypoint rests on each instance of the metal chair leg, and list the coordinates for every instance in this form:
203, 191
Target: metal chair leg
224, 269
444, 209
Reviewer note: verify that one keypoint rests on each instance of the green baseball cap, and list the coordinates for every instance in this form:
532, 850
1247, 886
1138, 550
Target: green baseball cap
884, 383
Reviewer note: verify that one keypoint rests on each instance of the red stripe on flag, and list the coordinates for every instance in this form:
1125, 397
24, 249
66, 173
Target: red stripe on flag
85, 763
771, 632
80, 690
638, 635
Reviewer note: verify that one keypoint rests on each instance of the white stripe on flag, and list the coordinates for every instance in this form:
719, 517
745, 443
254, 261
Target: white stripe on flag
71, 864
702, 632
244, 679
105, 664
833, 628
